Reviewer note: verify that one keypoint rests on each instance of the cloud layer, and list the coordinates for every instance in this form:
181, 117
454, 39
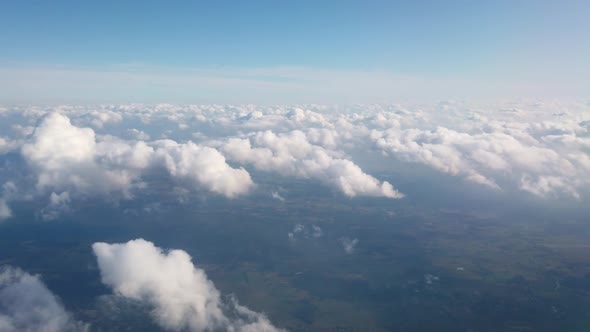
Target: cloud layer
108, 151
542, 158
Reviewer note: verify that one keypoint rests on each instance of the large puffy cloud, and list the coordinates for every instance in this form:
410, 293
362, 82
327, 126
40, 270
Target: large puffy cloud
292, 154
69, 158
26, 305
182, 296
203, 165
65, 157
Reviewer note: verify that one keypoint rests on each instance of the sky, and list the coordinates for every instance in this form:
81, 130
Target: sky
291, 51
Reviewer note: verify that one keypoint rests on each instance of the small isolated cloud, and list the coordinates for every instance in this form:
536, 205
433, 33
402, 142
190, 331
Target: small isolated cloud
301, 231
277, 196
297, 229
182, 296
58, 204
5, 211
316, 231
9, 192
349, 245
26, 305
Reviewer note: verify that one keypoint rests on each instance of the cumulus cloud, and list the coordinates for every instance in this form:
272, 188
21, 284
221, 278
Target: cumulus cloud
9, 192
7, 145
5, 211
276, 195
301, 231
348, 244
317, 231
70, 159
297, 229
292, 154
204, 166
543, 158
98, 118
182, 296
26, 305
58, 204
137, 134
64, 157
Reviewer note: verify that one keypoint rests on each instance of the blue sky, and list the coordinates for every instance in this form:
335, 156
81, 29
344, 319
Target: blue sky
290, 51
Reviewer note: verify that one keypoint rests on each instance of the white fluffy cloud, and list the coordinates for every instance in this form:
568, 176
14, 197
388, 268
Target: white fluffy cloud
182, 296
65, 157
204, 166
26, 305
68, 158
292, 154
541, 157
